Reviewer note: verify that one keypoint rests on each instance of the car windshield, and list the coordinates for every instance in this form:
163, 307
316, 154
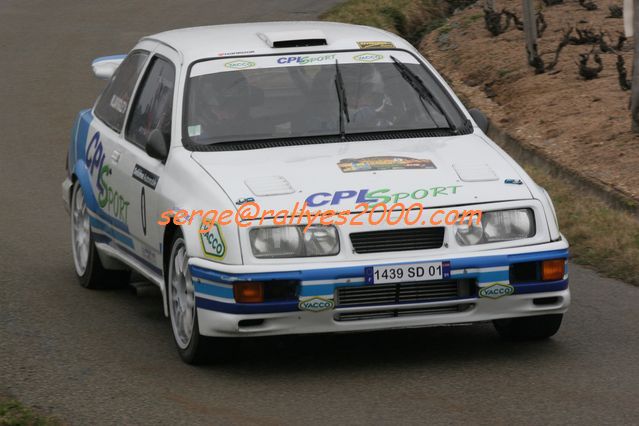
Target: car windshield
323, 94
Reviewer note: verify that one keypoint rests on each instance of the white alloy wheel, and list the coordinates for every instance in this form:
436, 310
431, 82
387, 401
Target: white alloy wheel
80, 231
181, 295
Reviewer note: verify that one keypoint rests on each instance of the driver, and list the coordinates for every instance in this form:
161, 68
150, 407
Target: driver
225, 104
371, 102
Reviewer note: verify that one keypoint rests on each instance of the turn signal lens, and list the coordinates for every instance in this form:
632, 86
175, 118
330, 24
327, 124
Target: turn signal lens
553, 270
249, 292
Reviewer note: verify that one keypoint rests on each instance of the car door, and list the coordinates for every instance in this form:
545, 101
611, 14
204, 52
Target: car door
110, 220
138, 174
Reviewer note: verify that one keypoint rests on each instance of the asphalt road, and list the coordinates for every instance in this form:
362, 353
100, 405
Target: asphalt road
107, 357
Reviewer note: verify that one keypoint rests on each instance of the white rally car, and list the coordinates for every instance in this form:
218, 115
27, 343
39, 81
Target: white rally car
326, 114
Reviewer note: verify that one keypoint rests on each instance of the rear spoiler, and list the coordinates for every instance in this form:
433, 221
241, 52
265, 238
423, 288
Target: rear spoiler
105, 66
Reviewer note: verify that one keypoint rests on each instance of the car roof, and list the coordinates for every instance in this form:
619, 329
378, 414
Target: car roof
249, 39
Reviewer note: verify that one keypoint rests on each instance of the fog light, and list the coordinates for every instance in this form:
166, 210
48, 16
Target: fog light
249, 292
553, 270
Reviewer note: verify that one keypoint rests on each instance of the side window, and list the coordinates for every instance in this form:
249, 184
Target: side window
153, 103
116, 97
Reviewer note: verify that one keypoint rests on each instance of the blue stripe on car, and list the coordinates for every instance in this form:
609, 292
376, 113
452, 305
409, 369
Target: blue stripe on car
358, 271
213, 290
108, 58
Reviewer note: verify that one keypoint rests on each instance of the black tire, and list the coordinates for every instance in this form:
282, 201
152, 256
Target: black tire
199, 349
529, 328
94, 275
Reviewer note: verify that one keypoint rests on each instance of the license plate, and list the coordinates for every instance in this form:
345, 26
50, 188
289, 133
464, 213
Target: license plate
409, 272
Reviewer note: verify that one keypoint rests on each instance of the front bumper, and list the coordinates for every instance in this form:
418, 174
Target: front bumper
219, 314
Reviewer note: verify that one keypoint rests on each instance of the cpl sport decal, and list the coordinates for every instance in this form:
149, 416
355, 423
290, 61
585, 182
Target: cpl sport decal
383, 195
497, 290
315, 304
368, 164
213, 243
108, 198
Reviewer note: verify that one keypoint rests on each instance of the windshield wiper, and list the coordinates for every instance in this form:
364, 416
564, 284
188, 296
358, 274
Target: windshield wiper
343, 104
424, 94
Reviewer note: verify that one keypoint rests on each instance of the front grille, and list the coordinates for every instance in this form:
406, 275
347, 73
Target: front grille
398, 240
392, 313
416, 292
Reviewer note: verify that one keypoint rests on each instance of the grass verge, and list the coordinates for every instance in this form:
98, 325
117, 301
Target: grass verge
600, 236
604, 238
407, 18
12, 413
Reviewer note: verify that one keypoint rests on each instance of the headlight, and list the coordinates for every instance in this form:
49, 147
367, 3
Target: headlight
292, 241
495, 226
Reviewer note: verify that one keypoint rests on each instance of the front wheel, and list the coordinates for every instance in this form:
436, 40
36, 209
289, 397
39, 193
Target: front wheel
529, 328
192, 346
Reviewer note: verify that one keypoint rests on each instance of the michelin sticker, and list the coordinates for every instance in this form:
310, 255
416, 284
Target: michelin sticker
316, 304
213, 243
497, 290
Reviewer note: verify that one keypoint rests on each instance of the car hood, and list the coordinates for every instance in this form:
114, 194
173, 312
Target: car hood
434, 171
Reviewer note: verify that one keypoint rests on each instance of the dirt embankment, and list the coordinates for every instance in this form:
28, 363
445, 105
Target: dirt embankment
582, 124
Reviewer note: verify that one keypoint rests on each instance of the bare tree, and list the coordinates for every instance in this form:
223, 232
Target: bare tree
530, 32
631, 13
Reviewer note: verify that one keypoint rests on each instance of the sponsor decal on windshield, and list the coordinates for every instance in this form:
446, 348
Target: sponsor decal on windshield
368, 57
246, 52
375, 45
304, 60
239, 64
367, 164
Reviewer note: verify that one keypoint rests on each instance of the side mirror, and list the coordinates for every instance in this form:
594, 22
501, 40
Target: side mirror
480, 119
105, 66
157, 146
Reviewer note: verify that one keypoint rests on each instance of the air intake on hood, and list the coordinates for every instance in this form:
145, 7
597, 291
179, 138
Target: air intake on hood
269, 185
294, 38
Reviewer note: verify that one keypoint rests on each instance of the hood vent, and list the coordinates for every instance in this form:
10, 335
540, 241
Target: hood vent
269, 185
475, 172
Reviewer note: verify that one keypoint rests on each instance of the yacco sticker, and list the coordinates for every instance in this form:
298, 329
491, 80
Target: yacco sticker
109, 199
383, 195
497, 290
239, 64
213, 243
304, 60
375, 45
368, 57
315, 304
367, 164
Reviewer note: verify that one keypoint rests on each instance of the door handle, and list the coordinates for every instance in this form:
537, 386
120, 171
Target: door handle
115, 156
